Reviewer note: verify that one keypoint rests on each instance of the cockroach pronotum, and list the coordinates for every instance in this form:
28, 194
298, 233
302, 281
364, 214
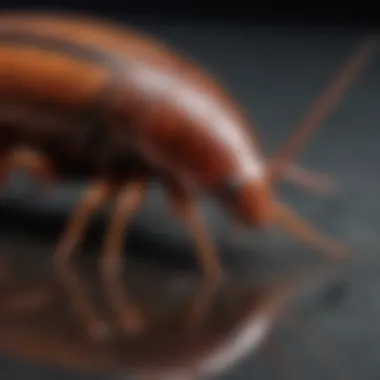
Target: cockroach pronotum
84, 99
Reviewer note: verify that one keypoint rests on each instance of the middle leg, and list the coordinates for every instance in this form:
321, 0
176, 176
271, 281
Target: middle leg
128, 201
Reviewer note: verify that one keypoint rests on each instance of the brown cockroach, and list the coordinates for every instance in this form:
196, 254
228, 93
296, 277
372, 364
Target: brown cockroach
83, 99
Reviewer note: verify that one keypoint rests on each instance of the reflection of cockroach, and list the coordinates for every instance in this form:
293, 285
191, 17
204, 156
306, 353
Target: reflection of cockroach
81, 99
238, 323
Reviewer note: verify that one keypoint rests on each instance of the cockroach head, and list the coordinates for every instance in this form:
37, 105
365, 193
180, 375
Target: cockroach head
249, 200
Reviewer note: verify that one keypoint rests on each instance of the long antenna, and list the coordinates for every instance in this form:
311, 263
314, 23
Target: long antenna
324, 104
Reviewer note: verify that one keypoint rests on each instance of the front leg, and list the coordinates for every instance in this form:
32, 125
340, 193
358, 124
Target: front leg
188, 210
318, 183
305, 232
207, 256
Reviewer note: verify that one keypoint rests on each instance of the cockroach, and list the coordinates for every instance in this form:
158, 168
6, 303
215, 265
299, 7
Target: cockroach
87, 99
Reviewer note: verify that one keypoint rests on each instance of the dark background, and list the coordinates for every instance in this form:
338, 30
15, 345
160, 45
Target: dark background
275, 58
278, 12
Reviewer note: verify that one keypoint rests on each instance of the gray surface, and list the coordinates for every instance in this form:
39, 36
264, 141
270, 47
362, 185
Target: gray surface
276, 74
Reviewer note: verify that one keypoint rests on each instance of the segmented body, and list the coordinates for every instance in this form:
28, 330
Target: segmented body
108, 91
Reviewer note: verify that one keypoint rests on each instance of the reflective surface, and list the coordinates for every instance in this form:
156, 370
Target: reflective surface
193, 329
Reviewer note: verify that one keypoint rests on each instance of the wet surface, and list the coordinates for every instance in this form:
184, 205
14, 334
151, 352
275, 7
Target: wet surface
39, 326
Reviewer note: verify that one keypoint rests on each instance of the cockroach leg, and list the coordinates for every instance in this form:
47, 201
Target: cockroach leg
200, 304
92, 200
315, 182
303, 231
186, 207
128, 201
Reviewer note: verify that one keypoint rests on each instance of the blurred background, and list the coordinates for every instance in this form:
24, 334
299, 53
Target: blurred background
275, 58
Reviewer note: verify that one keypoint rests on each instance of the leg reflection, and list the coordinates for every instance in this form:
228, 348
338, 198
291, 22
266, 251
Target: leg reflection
201, 303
